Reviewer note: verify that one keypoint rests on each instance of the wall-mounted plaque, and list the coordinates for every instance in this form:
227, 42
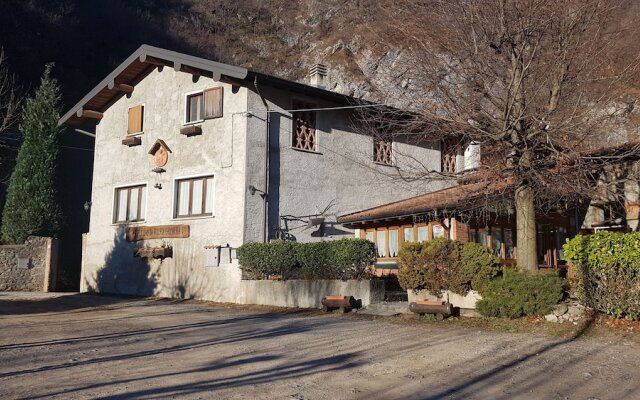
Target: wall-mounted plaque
135, 233
160, 152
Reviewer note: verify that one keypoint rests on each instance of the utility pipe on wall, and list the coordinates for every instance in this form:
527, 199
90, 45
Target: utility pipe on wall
265, 221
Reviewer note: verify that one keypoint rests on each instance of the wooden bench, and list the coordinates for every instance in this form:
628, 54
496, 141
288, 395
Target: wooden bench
441, 309
336, 302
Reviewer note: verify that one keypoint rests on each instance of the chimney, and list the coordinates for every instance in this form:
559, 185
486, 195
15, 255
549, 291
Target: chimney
318, 76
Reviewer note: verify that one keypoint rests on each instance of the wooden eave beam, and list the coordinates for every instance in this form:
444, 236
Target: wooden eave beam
82, 113
153, 61
122, 87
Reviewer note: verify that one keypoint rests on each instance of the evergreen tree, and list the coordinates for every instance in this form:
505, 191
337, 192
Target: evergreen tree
32, 205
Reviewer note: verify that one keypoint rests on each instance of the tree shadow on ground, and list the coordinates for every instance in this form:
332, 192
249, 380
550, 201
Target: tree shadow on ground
475, 383
58, 304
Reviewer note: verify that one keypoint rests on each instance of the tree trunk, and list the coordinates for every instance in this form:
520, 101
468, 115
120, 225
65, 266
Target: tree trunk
526, 229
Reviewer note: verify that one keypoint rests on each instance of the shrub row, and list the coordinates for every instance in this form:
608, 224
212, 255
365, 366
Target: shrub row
606, 272
443, 264
336, 259
519, 293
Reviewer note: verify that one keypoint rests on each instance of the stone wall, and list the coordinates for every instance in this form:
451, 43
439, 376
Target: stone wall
31, 266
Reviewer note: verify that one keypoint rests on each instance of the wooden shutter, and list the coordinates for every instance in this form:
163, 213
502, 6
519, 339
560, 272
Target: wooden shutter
135, 119
213, 103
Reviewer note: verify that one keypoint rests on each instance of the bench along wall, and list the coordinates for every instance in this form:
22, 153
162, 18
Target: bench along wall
31, 266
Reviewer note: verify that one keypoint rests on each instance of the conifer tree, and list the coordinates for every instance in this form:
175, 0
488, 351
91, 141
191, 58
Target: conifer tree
32, 205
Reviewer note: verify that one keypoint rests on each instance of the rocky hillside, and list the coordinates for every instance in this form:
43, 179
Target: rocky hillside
86, 39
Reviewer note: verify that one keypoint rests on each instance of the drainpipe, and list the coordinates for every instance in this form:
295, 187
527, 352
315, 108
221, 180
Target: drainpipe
265, 222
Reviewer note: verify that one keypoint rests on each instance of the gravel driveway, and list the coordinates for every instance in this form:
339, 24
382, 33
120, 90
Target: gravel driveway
81, 346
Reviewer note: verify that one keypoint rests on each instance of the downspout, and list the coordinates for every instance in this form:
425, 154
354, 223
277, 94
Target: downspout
265, 222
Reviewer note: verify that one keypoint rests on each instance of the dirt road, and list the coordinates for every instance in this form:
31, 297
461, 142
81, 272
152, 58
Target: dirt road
79, 346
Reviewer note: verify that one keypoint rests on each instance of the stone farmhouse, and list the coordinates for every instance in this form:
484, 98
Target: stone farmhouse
194, 158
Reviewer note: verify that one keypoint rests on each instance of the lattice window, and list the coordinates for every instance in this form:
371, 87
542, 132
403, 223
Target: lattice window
304, 126
382, 150
448, 152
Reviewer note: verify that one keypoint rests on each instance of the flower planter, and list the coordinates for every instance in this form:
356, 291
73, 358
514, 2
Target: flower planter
154, 252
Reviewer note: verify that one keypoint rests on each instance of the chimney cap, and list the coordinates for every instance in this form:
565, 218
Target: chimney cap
319, 69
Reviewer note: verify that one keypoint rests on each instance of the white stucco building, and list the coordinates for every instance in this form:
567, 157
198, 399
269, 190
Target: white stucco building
191, 154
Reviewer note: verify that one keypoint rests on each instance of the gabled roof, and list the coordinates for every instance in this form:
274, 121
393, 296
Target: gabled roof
146, 58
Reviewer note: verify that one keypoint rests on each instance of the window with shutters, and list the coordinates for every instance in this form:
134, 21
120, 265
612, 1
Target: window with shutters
204, 105
304, 126
194, 197
130, 204
449, 150
383, 150
194, 108
136, 120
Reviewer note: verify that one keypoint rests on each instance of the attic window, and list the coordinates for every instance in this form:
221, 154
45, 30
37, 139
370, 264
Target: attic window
136, 118
194, 107
382, 150
204, 105
304, 126
448, 153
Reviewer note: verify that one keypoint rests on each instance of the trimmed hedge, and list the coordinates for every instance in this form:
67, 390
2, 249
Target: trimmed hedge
606, 272
336, 259
443, 264
519, 293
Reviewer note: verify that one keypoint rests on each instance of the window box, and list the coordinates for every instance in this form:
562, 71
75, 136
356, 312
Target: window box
132, 141
159, 253
191, 130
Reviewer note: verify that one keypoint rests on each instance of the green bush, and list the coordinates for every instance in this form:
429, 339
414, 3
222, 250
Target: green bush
275, 258
477, 266
519, 293
606, 272
443, 264
336, 259
351, 258
313, 260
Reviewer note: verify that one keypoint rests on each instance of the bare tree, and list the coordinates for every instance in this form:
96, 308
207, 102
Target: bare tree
9, 98
540, 84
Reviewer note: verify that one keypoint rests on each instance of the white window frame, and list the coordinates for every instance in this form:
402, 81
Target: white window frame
186, 105
174, 193
144, 111
114, 200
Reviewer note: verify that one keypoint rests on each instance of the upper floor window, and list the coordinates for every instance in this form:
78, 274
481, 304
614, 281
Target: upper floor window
130, 203
194, 197
383, 150
136, 120
449, 149
194, 107
304, 126
204, 105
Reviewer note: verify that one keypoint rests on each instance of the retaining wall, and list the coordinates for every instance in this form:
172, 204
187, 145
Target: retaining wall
302, 293
31, 266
